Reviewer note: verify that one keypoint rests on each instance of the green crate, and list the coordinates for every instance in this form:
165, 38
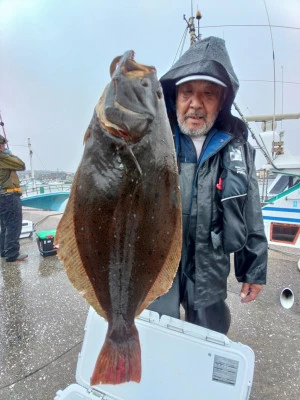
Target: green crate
45, 242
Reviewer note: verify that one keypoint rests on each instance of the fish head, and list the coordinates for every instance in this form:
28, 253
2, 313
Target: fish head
130, 102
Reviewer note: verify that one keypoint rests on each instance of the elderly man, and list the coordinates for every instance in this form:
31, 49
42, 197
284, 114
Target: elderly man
10, 204
220, 200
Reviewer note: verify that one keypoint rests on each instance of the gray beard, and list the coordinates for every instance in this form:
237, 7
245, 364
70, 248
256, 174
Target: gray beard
196, 132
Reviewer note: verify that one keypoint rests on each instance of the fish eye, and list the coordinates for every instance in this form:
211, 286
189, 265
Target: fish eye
144, 83
159, 94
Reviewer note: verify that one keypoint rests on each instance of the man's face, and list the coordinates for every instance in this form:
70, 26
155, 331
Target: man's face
2, 147
198, 104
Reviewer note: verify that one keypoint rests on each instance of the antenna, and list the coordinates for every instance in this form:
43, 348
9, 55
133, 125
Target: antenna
198, 17
274, 79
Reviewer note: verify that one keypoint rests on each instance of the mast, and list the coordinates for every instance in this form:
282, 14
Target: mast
191, 27
31, 164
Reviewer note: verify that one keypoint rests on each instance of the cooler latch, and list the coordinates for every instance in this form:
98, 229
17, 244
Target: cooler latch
100, 395
217, 338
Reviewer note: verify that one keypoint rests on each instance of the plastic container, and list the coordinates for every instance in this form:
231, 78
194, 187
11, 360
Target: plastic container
179, 361
27, 229
45, 242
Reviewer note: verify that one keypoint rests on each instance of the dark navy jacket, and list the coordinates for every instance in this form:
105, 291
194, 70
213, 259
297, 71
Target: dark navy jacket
221, 215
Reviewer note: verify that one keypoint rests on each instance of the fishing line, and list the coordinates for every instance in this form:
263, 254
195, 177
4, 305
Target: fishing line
41, 368
263, 148
283, 252
47, 216
181, 45
35, 153
268, 81
250, 25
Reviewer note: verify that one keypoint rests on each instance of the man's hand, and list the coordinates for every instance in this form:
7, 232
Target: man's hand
249, 292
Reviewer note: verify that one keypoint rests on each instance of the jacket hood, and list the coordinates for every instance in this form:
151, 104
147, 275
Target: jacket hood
206, 57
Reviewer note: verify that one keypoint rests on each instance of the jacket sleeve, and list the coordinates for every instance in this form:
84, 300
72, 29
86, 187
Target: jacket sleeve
11, 162
251, 261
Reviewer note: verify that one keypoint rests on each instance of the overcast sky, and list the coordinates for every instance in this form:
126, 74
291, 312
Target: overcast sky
55, 58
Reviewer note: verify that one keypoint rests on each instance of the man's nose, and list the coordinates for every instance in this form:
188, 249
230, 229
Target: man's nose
196, 101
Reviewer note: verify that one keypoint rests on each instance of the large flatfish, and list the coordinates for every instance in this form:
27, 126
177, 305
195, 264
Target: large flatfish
120, 236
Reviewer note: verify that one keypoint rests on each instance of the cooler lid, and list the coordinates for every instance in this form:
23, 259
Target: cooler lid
77, 392
74, 392
46, 234
179, 360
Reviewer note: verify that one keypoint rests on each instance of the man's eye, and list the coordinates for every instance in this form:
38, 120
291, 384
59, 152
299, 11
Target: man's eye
186, 92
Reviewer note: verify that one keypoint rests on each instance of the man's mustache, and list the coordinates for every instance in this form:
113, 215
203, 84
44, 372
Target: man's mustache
196, 114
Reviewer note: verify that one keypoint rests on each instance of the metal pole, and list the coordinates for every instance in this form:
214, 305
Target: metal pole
192, 31
31, 165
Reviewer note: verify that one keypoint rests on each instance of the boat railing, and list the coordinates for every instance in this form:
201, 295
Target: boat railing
44, 189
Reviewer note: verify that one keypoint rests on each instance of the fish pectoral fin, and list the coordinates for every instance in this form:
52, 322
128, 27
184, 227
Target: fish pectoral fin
87, 134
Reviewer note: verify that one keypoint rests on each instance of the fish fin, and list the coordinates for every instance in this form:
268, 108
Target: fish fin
87, 134
167, 274
118, 361
68, 254
114, 64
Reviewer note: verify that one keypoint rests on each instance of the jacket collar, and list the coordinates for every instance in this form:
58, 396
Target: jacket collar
214, 142
185, 152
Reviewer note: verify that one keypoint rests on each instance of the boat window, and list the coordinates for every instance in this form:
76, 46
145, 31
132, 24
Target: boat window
284, 233
280, 185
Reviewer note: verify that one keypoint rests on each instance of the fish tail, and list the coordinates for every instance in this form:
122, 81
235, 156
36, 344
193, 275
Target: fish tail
118, 361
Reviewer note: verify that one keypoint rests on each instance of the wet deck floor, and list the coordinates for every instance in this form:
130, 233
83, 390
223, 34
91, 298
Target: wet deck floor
42, 320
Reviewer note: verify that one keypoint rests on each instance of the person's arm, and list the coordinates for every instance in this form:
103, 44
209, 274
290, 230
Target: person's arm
251, 262
9, 161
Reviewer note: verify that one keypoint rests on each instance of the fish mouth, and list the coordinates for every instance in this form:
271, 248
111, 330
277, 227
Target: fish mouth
128, 104
124, 131
127, 66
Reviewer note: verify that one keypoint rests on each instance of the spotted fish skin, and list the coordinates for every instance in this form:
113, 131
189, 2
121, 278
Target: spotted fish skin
120, 236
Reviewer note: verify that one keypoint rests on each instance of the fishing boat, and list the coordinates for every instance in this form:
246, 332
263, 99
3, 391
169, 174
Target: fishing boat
281, 197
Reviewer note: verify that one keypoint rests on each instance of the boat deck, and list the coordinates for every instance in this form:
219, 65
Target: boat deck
43, 317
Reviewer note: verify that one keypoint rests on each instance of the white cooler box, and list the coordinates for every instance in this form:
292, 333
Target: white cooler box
180, 361
27, 229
